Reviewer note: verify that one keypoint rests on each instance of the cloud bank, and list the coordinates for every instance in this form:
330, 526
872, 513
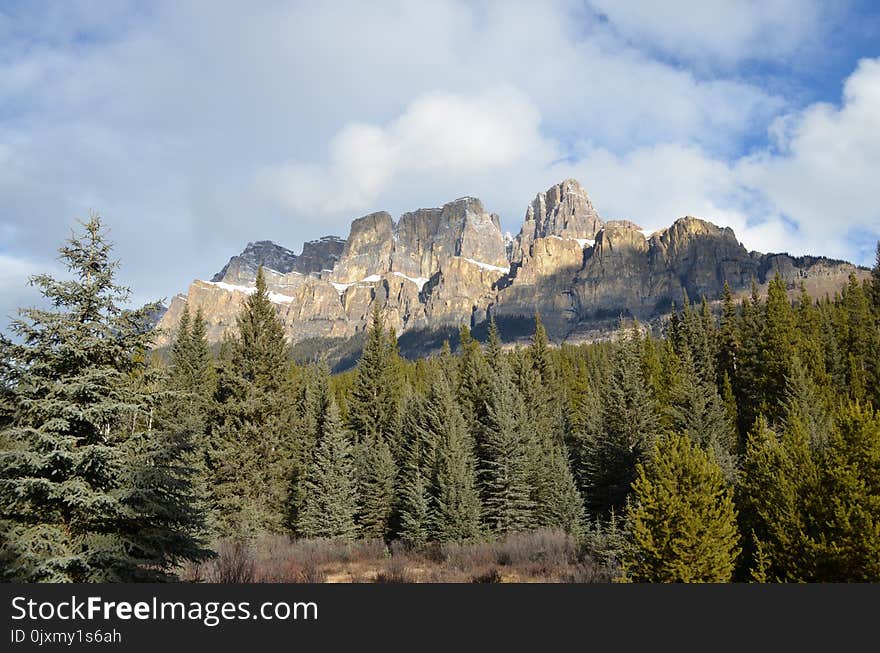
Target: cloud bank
196, 127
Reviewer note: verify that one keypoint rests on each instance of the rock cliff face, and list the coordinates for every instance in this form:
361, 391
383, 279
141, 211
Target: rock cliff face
450, 265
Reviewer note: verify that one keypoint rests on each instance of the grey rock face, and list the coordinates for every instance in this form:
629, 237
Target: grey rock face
242, 269
451, 265
368, 248
565, 210
319, 255
428, 238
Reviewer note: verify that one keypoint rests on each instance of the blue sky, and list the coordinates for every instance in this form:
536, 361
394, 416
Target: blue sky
195, 127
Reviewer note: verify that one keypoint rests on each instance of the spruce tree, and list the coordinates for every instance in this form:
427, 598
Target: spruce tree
330, 501
169, 520
779, 484
505, 461
698, 411
314, 399
413, 510
374, 403
253, 425
848, 544
728, 338
777, 348
376, 472
630, 429
681, 519
72, 467
748, 379
456, 500
373, 415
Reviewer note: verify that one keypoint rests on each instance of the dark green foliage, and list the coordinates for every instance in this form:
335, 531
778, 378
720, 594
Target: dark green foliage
253, 425
698, 412
113, 468
374, 405
85, 495
505, 476
627, 436
330, 500
374, 414
456, 505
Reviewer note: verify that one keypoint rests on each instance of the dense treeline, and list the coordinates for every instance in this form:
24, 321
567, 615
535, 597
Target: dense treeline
743, 444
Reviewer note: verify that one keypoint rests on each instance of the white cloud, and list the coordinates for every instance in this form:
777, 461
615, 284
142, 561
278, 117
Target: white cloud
813, 192
439, 134
726, 31
824, 172
195, 131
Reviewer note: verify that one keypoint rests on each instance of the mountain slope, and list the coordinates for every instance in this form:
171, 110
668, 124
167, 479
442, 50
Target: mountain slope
437, 268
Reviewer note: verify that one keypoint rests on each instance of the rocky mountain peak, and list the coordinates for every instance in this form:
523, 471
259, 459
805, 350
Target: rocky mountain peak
242, 269
319, 255
440, 267
563, 210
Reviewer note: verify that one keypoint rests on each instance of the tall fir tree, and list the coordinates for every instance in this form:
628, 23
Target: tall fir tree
630, 429
779, 483
505, 461
456, 500
330, 500
697, 411
681, 519
72, 469
254, 422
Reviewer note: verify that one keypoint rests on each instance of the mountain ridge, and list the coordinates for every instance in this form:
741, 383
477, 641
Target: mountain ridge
444, 266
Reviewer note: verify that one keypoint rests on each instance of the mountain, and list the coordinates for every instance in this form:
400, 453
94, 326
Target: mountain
440, 267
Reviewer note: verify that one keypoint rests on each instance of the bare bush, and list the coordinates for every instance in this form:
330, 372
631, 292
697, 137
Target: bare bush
234, 564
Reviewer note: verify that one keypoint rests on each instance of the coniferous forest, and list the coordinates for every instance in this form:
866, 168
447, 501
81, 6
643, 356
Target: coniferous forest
739, 442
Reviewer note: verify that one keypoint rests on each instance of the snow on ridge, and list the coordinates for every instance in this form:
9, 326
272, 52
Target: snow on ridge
342, 287
274, 297
488, 266
647, 233
277, 298
585, 242
247, 290
419, 281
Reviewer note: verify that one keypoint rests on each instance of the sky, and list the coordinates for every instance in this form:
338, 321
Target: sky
196, 127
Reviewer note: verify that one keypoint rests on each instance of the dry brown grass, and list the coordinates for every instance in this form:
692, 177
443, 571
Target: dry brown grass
537, 556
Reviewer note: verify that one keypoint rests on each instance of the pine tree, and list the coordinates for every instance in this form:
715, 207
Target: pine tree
413, 522
777, 348
848, 544
374, 403
728, 338
779, 484
314, 399
494, 351
505, 472
254, 422
169, 519
186, 405
748, 379
681, 519
330, 501
698, 411
70, 468
456, 504
260, 351
376, 472
630, 428
558, 499
190, 367
875, 283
